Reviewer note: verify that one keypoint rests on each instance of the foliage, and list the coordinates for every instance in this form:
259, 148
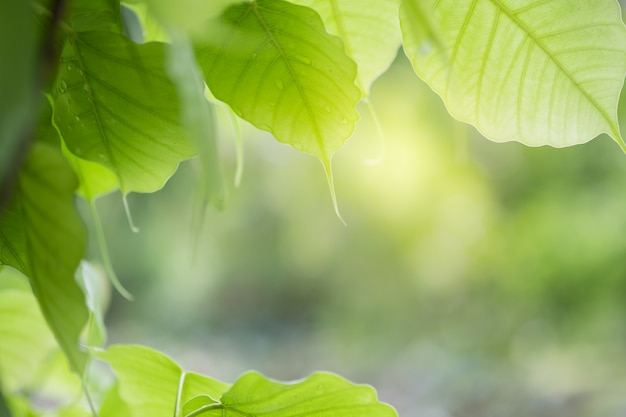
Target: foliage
90, 106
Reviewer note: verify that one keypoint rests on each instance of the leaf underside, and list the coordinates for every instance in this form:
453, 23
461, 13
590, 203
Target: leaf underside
115, 105
369, 30
545, 72
277, 67
42, 237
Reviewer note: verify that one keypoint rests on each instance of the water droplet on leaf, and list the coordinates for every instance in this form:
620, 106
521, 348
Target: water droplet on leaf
279, 84
77, 118
327, 108
70, 67
62, 87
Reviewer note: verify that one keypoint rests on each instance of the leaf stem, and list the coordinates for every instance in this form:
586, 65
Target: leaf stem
104, 252
129, 216
331, 186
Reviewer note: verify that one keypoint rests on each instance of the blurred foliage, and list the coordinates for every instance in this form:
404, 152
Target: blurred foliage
473, 278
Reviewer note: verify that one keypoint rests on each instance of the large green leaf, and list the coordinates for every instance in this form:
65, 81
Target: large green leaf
369, 29
18, 84
321, 394
277, 67
42, 237
540, 72
151, 384
115, 105
26, 339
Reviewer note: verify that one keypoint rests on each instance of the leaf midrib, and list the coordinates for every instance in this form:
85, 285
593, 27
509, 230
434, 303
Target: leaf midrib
301, 92
92, 101
537, 41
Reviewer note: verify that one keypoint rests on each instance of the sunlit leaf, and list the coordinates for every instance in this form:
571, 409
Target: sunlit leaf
115, 105
277, 67
26, 339
41, 236
150, 382
539, 72
369, 30
90, 282
321, 394
196, 384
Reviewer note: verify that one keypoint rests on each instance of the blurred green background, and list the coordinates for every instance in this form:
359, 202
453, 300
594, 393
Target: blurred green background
472, 278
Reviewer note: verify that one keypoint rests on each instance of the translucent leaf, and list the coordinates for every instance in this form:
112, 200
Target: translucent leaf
542, 72
197, 114
26, 339
321, 394
196, 403
275, 65
90, 283
42, 237
115, 105
150, 382
369, 30
113, 405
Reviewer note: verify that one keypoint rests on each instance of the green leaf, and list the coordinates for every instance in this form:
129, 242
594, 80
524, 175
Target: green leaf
95, 15
18, 83
321, 394
539, 72
369, 30
196, 384
115, 105
42, 237
197, 114
90, 283
26, 339
150, 382
275, 65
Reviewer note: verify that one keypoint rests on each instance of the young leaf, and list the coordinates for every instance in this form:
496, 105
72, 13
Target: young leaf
150, 382
275, 65
539, 72
42, 237
369, 30
321, 394
115, 105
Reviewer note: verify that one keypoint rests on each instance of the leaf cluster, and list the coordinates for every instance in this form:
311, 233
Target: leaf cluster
93, 102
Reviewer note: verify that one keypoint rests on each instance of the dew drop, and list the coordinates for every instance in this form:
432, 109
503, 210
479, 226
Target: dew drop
77, 118
254, 55
87, 89
425, 48
80, 71
62, 87
327, 108
70, 67
279, 84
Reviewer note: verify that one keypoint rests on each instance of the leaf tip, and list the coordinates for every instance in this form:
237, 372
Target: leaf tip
326, 162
